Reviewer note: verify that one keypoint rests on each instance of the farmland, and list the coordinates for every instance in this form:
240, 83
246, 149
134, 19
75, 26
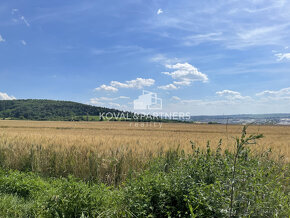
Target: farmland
103, 156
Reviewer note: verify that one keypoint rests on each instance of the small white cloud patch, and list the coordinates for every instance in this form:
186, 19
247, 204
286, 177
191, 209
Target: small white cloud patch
2, 39
280, 94
168, 87
25, 21
5, 96
232, 95
160, 11
106, 88
282, 56
138, 83
23, 42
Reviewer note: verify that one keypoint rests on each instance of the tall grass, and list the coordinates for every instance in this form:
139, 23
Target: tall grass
108, 152
83, 162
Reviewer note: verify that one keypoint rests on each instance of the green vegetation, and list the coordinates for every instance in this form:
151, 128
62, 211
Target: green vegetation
204, 183
32, 109
51, 110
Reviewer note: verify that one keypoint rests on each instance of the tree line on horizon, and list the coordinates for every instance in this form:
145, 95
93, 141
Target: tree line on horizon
54, 110
32, 109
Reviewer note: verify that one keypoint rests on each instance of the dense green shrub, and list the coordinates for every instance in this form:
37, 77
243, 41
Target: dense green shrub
13, 206
73, 198
23, 185
209, 184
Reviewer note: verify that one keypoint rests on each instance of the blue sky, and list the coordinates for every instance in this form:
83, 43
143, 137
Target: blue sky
202, 57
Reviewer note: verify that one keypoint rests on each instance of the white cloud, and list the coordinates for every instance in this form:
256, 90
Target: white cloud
283, 56
280, 94
106, 88
2, 39
168, 87
185, 74
227, 92
160, 11
232, 95
138, 83
5, 96
23, 42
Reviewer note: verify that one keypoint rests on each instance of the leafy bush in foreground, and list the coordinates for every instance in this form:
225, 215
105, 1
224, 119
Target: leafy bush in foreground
200, 186
203, 184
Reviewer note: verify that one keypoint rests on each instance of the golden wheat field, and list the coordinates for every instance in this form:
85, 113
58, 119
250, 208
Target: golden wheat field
110, 149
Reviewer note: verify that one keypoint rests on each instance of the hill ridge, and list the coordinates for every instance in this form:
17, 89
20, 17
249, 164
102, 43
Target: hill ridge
45, 109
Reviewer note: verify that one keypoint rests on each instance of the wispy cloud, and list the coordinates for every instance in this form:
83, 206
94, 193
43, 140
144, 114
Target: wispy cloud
124, 49
164, 60
17, 17
261, 7
267, 35
232, 24
200, 38
25, 21
110, 99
